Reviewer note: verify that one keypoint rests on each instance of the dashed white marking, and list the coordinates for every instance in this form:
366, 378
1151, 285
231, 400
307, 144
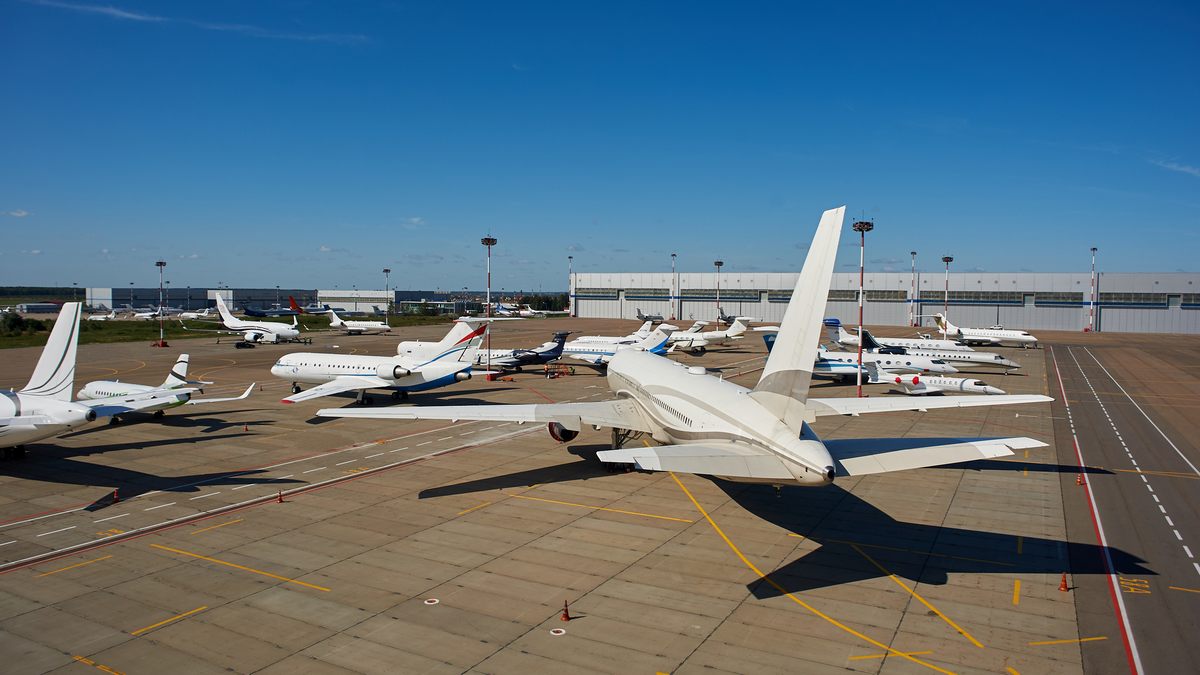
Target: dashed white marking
57, 531
245, 486
1155, 498
447, 438
203, 496
1169, 521
1197, 566
9, 542
287, 476
1160, 508
312, 470
469, 433
1177, 535
110, 518
1188, 551
345, 462
374, 455
167, 504
425, 443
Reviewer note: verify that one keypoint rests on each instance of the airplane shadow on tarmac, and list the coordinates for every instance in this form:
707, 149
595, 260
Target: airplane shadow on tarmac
857, 540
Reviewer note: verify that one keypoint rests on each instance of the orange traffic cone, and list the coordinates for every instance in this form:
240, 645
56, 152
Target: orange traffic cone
279, 498
245, 427
566, 613
116, 495
1079, 479
1062, 585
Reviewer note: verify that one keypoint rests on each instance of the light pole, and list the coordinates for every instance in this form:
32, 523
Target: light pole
488, 242
1092, 307
570, 285
912, 294
131, 297
188, 302
862, 227
161, 265
718, 264
387, 296
74, 290
674, 289
276, 296
946, 298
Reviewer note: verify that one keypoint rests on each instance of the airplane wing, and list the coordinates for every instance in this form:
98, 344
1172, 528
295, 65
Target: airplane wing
620, 414
861, 456
120, 405
198, 401
25, 420
857, 406
716, 459
339, 385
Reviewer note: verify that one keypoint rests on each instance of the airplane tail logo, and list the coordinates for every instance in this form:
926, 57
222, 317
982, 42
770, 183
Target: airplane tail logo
295, 307
463, 337
54, 375
178, 375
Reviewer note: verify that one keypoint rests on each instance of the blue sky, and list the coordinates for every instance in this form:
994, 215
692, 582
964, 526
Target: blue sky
312, 144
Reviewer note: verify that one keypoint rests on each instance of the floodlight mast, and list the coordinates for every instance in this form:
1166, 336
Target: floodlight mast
946, 298
862, 227
488, 242
161, 265
912, 294
718, 264
1092, 307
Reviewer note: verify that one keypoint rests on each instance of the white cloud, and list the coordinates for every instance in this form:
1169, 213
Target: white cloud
18, 213
324, 249
575, 248
1181, 168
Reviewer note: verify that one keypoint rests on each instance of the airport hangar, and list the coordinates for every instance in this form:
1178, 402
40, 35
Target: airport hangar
352, 300
1125, 302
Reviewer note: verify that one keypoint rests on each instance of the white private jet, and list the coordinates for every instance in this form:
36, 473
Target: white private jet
103, 317
923, 385
416, 367
195, 316
357, 327
697, 341
984, 336
252, 331
903, 363
848, 339
708, 425
515, 359
171, 393
958, 358
636, 336
601, 353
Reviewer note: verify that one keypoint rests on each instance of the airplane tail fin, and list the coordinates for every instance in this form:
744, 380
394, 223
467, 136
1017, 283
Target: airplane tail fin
783, 387
656, 343
464, 335
944, 324
868, 341
645, 326
224, 311
739, 326
294, 305
334, 319
844, 336
640, 315
54, 375
178, 375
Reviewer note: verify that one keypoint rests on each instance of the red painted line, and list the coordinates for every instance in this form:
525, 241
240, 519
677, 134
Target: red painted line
1092, 511
539, 393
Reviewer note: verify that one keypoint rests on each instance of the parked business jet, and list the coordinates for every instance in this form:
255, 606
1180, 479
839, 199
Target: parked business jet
418, 366
357, 327
958, 358
195, 316
848, 339
636, 336
601, 353
708, 425
253, 331
923, 385
656, 318
984, 336
274, 310
698, 341
515, 359
310, 308
903, 363
173, 392
103, 317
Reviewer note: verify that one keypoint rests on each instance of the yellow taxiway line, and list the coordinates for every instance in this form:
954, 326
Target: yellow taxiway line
213, 527
881, 656
99, 666
241, 567
793, 597
71, 567
1066, 642
473, 508
602, 508
167, 621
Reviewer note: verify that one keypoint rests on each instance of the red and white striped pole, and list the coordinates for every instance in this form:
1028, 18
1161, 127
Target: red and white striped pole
1092, 307
862, 227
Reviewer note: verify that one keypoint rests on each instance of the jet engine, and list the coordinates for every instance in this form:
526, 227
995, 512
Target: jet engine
390, 372
253, 336
462, 375
560, 433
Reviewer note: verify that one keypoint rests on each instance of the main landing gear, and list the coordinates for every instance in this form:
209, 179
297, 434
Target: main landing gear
399, 395
619, 438
296, 388
363, 398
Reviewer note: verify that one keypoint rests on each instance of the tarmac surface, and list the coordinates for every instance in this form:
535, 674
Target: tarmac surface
451, 547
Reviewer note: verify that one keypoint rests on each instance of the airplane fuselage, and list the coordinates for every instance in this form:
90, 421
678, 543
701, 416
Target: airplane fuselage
683, 406
38, 417
894, 362
315, 368
102, 389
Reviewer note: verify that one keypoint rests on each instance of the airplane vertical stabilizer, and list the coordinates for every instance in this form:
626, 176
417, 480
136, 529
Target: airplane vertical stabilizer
226, 316
178, 375
783, 387
54, 375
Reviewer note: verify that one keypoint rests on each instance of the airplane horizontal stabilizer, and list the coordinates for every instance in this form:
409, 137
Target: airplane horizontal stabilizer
857, 406
245, 394
338, 386
712, 459
616, 414
862, 456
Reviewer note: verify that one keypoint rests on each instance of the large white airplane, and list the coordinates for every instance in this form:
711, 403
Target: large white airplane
416, 367
698, 341
848, 339
357, 327
708, 425
253, 331
173, 392
983, 336
601, 353
959, 358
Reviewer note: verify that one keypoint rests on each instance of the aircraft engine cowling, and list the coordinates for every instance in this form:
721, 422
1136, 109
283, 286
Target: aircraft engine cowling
391, 372
560, 433
462, 375
252, 336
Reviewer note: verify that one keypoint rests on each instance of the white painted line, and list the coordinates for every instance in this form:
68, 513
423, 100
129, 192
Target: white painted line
1161, 508
57, 531
1169, 521
163, 505
425, 443
9, 542
203, 496
243, 486
374, 455
1144, 479
447, 438
1177, 535
1188, 551
469, 433
345, 462
312, 470
287, 476
1151, 490
1155, 498
48, 515
1197, 566
110, 518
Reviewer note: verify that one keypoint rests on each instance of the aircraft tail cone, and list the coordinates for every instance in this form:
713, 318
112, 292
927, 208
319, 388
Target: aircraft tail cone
566, 613
1062, 585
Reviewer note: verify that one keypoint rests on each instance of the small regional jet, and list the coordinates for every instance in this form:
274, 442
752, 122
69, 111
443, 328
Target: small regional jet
601, 353
357, 327
416, 367
515, 359
923, 385
310, 308
171, 393
195, 316
656, 318
848, 339
708, 425
697, 341
984, 336
103, 317
968, 358
275, 310
253, 331
636, 336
